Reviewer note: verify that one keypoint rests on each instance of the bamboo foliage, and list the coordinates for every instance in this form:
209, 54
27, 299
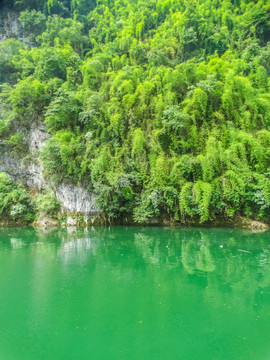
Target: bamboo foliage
162, 108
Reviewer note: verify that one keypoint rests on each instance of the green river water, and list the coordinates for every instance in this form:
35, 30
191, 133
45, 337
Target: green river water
134, 293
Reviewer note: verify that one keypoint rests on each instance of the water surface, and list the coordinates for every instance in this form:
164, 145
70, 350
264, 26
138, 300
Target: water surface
134, 293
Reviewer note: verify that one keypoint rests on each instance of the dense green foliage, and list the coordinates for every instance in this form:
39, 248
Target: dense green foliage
15, 201
47, 205
18, 204
162, 108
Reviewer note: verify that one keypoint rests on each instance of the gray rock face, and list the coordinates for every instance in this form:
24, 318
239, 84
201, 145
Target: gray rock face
16, 169
71, 221
10, 26
73, 199
37, 138
30, 174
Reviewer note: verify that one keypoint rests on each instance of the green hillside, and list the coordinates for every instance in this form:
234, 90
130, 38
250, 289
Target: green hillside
161, 107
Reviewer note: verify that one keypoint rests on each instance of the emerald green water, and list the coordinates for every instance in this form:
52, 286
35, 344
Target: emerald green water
134, 293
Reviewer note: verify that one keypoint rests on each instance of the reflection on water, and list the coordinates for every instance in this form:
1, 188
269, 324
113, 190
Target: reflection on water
239, 259
182, 292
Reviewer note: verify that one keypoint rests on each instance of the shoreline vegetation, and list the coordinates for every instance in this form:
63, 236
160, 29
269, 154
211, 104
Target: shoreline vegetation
160, 109
72, 222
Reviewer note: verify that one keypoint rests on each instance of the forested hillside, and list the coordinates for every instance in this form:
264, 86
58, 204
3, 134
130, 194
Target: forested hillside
161, 108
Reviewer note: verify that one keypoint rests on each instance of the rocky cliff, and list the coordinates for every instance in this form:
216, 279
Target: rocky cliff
73, 199
10, 26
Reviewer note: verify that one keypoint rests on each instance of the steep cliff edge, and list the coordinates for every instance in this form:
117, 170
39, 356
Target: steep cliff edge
10, 26
74, 200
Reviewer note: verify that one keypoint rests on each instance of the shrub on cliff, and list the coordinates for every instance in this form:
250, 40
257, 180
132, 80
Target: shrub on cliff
47, 205
15, 201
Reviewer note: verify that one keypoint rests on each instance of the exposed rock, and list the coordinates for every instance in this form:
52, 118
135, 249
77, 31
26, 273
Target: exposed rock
256, 226
10, 26
72, 198
75, 199
46, 222
71, 221
37, 137
30, 174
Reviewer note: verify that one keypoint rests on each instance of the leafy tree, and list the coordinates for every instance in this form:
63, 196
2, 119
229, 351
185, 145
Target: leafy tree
161, 108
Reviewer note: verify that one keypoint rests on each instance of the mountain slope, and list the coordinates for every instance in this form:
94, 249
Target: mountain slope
160, 108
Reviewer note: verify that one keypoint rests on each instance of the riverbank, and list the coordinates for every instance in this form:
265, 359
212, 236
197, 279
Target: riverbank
80, 221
